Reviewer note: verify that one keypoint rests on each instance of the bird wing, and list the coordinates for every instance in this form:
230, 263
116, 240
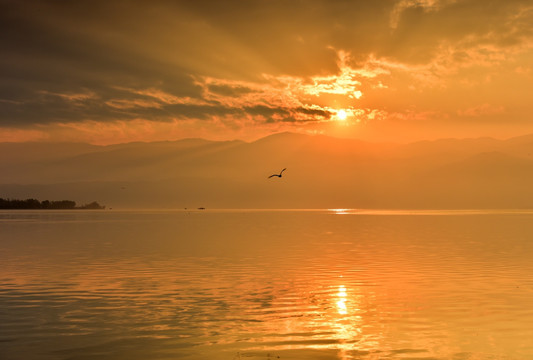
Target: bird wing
282, 170
272, 176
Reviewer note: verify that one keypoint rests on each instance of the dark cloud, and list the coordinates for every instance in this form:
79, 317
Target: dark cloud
232, 91
316, 112
120, 104
265, 110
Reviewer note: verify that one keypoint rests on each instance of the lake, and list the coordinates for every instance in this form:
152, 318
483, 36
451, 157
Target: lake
266, 284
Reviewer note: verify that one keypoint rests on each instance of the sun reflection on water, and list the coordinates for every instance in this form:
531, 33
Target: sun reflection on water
340, 211
341, 303
348, 324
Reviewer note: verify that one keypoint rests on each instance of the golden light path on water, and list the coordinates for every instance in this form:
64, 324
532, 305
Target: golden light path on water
332, 320
341, 304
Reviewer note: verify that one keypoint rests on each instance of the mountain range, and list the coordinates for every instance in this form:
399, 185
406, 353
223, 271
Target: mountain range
322, 172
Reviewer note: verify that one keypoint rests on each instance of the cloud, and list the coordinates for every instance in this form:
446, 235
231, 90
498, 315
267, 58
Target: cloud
163, 97
266, 64
71, 97
426, 5
131, 104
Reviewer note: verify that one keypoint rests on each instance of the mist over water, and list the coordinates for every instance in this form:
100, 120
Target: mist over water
323, 284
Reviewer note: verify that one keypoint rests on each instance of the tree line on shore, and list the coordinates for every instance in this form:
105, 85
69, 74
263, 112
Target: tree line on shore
46, 204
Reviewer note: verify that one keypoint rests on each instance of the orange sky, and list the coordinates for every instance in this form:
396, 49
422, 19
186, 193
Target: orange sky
109, 72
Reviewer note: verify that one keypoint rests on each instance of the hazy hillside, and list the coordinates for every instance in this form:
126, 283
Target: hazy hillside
321, 172
16, 153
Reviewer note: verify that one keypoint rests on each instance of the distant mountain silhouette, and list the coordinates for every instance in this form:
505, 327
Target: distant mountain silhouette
324, 172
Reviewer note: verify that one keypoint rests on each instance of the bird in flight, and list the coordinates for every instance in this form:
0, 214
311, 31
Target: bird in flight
278, 175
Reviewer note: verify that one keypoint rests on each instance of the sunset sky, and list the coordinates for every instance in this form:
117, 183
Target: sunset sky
117, 71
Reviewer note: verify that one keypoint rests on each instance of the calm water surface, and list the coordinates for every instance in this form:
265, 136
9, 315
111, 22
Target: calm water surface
266, 284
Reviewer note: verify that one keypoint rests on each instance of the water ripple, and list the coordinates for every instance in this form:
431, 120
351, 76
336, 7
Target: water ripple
231, 285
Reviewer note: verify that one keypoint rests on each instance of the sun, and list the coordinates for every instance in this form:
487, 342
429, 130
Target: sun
341, 115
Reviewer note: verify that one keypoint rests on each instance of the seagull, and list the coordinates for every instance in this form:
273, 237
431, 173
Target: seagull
278, 175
